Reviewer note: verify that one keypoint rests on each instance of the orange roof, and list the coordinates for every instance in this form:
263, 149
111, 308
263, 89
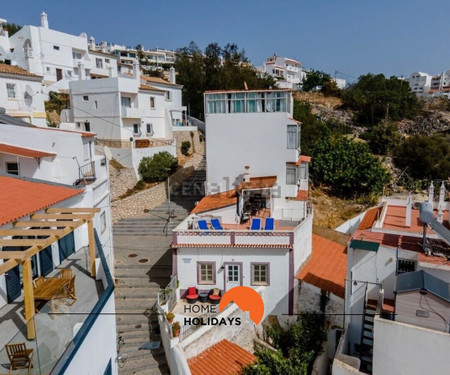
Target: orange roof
302, 195
327, 267
10, 69
303, 159
215, 201
158, 80
20, 197
83, 134
21, 151
223, 358
258, 183
148, 87
369, 218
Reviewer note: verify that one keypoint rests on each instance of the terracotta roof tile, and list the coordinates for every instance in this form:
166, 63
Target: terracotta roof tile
10, 69
369, 218
159, 80
143, 86
302, 195
223, 358
21, 151
258, 183
327, 267
21, 197
215, 201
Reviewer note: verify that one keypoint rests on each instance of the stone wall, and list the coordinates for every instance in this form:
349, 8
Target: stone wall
120, 181
147, 199
194, 137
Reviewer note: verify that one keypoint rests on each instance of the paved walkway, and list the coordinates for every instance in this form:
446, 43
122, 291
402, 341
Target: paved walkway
143, 266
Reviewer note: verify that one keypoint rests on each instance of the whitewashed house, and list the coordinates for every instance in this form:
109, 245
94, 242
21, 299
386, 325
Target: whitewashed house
254, 172
420, 83
156, 57
388, 331
132, 114
56, 215
287, 72
21, 95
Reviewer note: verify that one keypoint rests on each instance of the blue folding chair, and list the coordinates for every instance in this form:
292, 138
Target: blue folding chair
216, 224
202, 225
269, 224
256, 223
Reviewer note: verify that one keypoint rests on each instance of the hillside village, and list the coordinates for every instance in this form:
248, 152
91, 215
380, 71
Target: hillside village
141, 187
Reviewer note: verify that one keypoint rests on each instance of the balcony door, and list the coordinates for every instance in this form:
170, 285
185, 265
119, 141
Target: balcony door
233, 275
66, 246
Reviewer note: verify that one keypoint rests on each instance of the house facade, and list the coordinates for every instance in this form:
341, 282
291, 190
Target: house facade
424, 84
287, 72
21, 95
420, 83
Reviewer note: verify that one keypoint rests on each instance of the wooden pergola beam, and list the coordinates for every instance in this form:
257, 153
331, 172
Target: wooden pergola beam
61, 216
31, 232
22, 242
12, 255
28, 293
46, 224
62, 210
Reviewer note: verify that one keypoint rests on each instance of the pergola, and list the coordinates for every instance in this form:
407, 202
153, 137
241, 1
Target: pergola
54, 224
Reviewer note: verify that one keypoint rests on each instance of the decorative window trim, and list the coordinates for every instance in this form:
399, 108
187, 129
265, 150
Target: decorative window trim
252, 273
202, 282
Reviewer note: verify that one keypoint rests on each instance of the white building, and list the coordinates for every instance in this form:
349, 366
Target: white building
419, 83
287, 72
387, 244
424, 84
254, 171
440, 84
132, 114
340, 83
21, 95
55, 202
156, 57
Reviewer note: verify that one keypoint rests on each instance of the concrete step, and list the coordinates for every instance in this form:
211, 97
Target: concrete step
137, 282
141, 363
133, 293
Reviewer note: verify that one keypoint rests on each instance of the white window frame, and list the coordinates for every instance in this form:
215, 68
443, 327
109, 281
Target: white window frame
8, 170
85, 98
11, 89
151, 128
99, 63
138, 128
289, 169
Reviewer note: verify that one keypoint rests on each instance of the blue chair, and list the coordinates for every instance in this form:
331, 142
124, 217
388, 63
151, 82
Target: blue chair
216, 224
256, 223
269, 224
202, 225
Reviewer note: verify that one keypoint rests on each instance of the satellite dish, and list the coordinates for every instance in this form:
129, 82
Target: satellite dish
29, 90
107, 152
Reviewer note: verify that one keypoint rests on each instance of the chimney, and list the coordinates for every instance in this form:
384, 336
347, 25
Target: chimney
136, 73
92, 43
103, 47
81, 71
172, 77
408, 211
5, 32
247, 174
44, 20
431, 193
440, 215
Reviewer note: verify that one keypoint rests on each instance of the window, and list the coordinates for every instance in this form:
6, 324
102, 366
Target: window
107, 61
95, 104
260, 273
152, 102
56, 48
168, 95
103, 222
12, 168
237, 103
405, 265
85, 98
293, 137
69, 72
48, 69
149, 129
99, 63
136, 129
87, 126
125, 101
206, 273
76, 55
11, 89
291, 175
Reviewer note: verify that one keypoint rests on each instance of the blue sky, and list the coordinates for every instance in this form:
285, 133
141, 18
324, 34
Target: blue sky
394, 37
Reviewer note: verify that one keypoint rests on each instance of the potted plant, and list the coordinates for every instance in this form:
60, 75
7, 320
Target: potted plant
170, 317
176, 329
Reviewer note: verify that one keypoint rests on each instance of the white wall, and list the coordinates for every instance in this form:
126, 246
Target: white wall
405, 349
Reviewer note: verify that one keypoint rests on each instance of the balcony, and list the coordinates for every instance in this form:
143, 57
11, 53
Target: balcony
128, 112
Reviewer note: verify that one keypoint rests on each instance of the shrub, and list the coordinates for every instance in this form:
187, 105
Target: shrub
382, 138
158, 167
140, 185
185, 147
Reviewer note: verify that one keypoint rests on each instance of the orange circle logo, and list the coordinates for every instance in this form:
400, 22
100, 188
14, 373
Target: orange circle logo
247, 299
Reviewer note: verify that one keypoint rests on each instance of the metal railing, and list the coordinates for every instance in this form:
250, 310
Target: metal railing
168, 294
87, 171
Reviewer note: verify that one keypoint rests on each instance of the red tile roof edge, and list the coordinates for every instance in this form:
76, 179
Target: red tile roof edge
23, 151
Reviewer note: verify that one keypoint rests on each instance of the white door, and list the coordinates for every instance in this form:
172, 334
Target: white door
233, 276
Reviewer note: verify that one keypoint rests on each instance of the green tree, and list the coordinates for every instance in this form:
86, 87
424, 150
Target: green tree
376, 97
330, 88
315, 78
425, 157
158, 167
12, 28
348, 167
382, 138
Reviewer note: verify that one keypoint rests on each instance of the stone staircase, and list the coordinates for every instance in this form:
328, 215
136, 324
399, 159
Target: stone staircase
143, 265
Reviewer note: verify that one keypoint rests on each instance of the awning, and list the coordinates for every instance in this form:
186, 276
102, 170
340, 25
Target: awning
24, 152
364, 245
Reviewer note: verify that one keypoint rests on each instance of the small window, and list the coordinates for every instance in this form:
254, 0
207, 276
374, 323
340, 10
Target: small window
103, 222
405, 265
168, 95
56, 48
87, 126
99, 63
149, 128
293, 137
85, 98
136, 129
12, 168
291, 175
206, 273
260, 273
48, 69
107, 61
152, 102
11, 89
126, 102
95, 104
76, 55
